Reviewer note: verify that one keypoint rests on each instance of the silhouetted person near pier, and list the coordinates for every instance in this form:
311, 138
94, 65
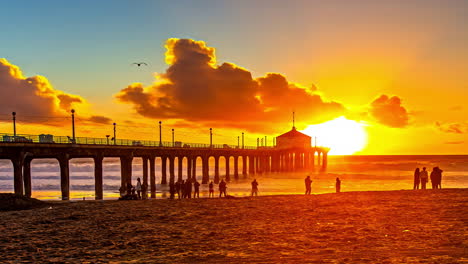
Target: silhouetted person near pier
436, 178
138, 188
177, 189
188, 188
222, 188
255, 187
417, 180
211, 189
439, 177
171, 190
182, 189
196, 188
308, 185
144, 191
338, 185
424, 178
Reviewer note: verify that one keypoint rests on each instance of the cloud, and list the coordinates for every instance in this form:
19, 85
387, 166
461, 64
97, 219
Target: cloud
36, 97
194, 88
31, 95
455, 142
389, 111
100, 120
456, 128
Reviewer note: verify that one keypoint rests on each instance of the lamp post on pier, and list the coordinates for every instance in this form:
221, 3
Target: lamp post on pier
211, 137
115, 138
173, 145
238, 144
73, 125
14, 124
160, 136
242, 140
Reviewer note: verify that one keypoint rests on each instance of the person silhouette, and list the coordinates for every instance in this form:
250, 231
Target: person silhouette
416, 179
308, 185
423, 177
211, 189
196, 187
222, 188
338, 185
439, 178
255, 187
177, 188
138, 188
171, 190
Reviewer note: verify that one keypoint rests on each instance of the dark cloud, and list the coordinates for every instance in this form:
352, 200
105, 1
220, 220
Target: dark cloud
456, 128
196, 89
389, 111
100, 120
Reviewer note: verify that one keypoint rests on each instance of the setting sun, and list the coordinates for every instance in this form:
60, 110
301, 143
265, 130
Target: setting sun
343, 136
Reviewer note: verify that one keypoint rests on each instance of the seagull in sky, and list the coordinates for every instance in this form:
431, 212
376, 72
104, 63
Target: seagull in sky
140, 63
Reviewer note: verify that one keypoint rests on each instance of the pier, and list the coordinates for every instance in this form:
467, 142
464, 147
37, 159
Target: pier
22, 149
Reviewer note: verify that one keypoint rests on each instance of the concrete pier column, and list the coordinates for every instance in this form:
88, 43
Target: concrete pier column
163, 170
189, 168
179, 168
312, 160
324, 161
228, 177
98, 190
27, 176
64, 176
319, 156
297, 161
205, 176
194, 167
244, 166
152, 177
236, 167
18, 180
171, 169
126, 170
216, 170
251, 164
145, 170
258, 164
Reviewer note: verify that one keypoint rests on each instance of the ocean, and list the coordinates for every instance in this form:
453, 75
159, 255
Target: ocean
357, 173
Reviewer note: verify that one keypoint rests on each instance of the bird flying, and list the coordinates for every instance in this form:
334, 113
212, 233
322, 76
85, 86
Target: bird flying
140, 63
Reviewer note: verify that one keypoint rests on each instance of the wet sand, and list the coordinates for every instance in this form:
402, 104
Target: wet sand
355, 227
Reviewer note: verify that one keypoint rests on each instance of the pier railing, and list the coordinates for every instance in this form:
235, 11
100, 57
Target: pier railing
51, 139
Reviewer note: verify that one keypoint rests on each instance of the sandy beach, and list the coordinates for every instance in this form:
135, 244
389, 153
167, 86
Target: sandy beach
355, 227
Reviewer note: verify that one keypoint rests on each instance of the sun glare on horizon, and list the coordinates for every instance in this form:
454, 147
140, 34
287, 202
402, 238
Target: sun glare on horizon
341, 135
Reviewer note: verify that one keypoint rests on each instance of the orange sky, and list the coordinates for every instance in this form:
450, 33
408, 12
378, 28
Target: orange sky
397, 70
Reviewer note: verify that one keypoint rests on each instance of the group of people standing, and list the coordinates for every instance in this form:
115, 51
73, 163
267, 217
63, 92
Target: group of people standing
422, 177
308, 185
184, 188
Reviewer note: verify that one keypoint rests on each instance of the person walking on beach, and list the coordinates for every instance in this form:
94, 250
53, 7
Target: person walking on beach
222, 188
196, 187
255, 187
171, 190
188, 188
423, 177
308, 185
211, 189
416, 179
138, 188
439, 178
144, 191
436, 178
182, 188
177, 189
338, 185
